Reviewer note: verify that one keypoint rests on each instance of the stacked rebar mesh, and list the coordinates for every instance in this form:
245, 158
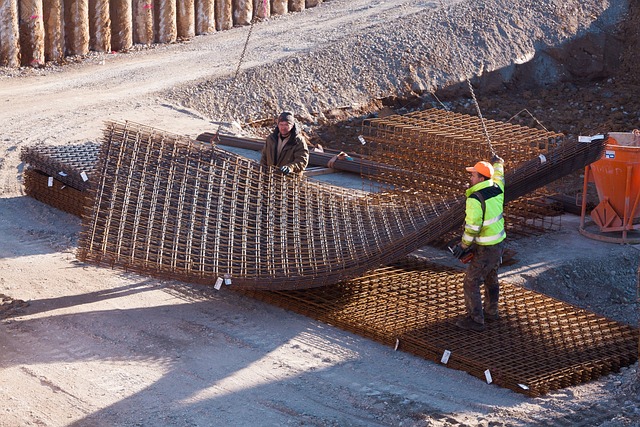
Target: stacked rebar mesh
60, 175
170, 206
429, 150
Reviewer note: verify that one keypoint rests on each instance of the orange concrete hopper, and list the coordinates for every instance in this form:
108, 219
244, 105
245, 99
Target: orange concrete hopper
617, 179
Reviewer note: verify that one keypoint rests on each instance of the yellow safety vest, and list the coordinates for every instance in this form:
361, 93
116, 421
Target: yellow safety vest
484, 221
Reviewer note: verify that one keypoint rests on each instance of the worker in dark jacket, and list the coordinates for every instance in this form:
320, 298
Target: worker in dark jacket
286, 148
484, 236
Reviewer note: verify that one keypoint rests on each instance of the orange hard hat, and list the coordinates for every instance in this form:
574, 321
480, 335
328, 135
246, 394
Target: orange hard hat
483, 168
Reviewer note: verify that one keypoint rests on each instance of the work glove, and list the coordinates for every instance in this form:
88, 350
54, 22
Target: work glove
340, 156
286, 170
458, 251
496, 159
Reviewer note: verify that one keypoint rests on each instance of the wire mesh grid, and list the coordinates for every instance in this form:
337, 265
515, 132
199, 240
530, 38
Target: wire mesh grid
539, 344
429, 150
73, 165
55, 193
170, 206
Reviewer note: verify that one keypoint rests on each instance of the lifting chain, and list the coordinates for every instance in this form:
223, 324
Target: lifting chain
234, 82
524, 110
473, 94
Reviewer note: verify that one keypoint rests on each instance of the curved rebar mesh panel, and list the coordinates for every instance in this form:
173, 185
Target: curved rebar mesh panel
171, 206
167, 204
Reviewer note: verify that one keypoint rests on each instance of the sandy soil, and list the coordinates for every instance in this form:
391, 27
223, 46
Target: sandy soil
93, 346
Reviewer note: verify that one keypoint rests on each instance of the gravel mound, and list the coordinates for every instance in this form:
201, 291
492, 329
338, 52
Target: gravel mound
404, 57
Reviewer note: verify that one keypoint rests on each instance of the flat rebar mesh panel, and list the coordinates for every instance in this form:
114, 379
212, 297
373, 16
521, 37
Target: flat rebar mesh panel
538, 344
54, 193
169, 205
72, 165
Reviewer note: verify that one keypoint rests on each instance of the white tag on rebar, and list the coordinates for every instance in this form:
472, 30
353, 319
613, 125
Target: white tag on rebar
50, 182
445, 357
218, 284
227, 279
543, 159
84, 176
584, 139
487, 375
397, 345
361, 139
522, 386
62, 173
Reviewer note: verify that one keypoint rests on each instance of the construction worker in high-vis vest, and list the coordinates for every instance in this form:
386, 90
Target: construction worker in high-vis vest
482, 242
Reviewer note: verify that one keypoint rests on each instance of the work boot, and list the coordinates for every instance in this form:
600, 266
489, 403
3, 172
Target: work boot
469, 324
491, 317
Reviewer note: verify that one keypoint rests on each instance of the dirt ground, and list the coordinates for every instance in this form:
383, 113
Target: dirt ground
89, 346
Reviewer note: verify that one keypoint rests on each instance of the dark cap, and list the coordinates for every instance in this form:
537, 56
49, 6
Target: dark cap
286, 116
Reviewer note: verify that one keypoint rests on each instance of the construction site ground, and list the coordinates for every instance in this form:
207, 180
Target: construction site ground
83, 345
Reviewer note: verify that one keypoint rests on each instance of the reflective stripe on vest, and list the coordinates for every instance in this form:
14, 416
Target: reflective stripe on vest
496, 237
492, 220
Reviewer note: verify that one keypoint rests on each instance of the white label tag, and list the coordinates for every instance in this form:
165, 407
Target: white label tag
84, 176
608, 154
524, 387
50, 182
218, 284
543, 159
487, 375
227, 279
62, 173
445, 357
584, 139
397, 344
361, 139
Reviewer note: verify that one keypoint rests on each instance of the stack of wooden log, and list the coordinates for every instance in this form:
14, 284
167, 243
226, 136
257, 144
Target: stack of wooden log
35, 31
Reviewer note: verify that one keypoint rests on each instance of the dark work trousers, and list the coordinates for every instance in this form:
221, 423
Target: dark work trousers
483, 268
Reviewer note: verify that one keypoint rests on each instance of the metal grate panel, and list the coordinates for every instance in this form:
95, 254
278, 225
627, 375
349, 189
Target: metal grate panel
53, 192
72, 165
539, 344
179, 208
170, 206
429, 150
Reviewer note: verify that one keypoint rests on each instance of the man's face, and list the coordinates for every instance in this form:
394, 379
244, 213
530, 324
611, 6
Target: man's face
285, 127
476, 178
